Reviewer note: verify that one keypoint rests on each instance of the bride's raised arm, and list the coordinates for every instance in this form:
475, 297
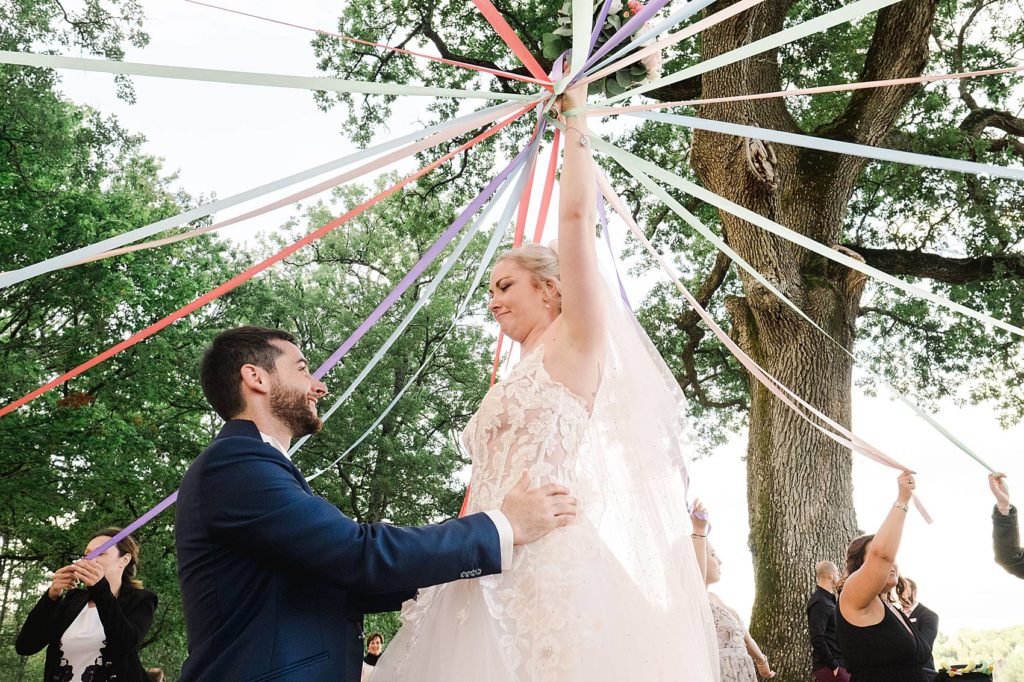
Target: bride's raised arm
583, 312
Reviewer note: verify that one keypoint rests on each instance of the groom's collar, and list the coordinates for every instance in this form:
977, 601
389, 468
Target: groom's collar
246, 428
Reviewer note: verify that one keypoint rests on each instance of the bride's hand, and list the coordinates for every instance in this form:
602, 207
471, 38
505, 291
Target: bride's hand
573, 98
535, 513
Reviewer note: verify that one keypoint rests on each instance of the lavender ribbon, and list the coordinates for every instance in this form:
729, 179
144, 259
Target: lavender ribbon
421, 265
134, 525
631, 27
374, 317
598, 25
611, 252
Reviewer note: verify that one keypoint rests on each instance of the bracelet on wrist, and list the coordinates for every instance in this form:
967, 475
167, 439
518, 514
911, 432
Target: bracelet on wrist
901, 505
584, 140
698, 535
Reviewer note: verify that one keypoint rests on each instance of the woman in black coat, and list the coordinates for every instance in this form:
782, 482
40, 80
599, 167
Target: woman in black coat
94, 632
1005, 534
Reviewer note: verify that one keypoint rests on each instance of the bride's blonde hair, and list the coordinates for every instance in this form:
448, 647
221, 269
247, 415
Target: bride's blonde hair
542, 261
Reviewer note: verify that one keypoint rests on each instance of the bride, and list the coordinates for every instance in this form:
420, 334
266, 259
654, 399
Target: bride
591, 405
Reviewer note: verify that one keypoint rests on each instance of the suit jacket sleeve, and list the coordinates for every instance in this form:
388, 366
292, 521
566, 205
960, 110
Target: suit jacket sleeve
125, 621
378, 603
252, 501
928, 624
1006, 541
36, 633
817, 620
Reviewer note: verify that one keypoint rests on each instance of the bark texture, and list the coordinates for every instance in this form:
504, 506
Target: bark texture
800, 491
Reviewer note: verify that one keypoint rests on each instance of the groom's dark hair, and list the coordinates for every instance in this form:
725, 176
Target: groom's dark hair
222, 361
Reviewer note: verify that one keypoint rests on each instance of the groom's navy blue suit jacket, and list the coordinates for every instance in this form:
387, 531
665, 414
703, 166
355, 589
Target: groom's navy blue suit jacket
275, 580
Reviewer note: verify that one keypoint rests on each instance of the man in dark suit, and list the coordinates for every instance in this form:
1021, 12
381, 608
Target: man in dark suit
924, 619
1005, 533
275, 580
826, 659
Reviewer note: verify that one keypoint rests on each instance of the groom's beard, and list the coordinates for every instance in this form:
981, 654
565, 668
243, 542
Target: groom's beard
293, 409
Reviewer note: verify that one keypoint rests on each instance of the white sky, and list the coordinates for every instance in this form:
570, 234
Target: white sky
226, 138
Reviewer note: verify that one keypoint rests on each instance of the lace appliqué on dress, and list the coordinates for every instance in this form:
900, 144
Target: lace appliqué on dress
531, 423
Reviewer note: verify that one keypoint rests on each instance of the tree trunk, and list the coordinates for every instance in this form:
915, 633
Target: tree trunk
799, 483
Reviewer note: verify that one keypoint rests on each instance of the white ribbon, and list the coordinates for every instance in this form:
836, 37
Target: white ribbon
855, 10
274, 80
795, 237
835, 146
72, 257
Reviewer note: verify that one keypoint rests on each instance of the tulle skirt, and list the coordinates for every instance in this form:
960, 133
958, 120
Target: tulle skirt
567, 611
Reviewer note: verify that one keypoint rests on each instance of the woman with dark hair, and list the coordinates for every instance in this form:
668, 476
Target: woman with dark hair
92, 633
878, 641
374, 648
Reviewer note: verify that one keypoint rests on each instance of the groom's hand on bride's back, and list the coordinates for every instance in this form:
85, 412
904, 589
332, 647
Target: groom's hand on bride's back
533, 513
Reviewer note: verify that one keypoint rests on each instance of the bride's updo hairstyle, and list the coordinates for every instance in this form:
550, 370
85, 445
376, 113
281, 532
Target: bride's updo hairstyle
542, 261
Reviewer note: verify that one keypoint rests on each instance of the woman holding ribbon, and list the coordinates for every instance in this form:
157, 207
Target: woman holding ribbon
92, 633
593, 407
878, 641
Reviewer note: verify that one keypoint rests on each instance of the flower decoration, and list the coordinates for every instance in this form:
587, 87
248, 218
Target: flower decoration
560, 40
970, 670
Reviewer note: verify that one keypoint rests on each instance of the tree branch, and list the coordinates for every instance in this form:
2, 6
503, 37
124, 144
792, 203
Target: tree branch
896, 318
433, 36
688, 323
942, 268
899, 49
707, 289
985, 117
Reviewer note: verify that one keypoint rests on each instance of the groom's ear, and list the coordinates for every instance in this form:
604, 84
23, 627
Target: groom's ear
255, 379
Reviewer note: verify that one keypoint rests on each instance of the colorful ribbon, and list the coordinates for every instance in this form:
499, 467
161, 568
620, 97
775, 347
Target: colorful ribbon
801, 240
846, 13
421, 55
78, 255
501, 27
274, 80
837, 432
245, 276
834, 146
499, 232
437, 138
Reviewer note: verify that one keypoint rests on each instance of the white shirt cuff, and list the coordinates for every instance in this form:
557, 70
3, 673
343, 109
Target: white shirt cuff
504, 529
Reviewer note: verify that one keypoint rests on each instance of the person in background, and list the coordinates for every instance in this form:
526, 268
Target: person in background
826, 658
374, 648
879, 643
95, 632
738, 653
1005, 533
924, 619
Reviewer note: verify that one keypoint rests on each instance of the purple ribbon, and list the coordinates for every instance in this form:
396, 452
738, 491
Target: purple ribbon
421, 265
134, 526
611, 252
631, 27
375, 316
598, 25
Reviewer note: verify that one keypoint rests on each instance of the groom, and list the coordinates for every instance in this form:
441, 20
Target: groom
275, 580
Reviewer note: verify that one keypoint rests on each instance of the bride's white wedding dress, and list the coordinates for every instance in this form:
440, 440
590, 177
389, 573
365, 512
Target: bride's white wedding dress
615, 596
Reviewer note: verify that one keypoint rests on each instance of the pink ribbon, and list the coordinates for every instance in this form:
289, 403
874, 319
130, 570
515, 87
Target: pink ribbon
844, 437
841, 87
